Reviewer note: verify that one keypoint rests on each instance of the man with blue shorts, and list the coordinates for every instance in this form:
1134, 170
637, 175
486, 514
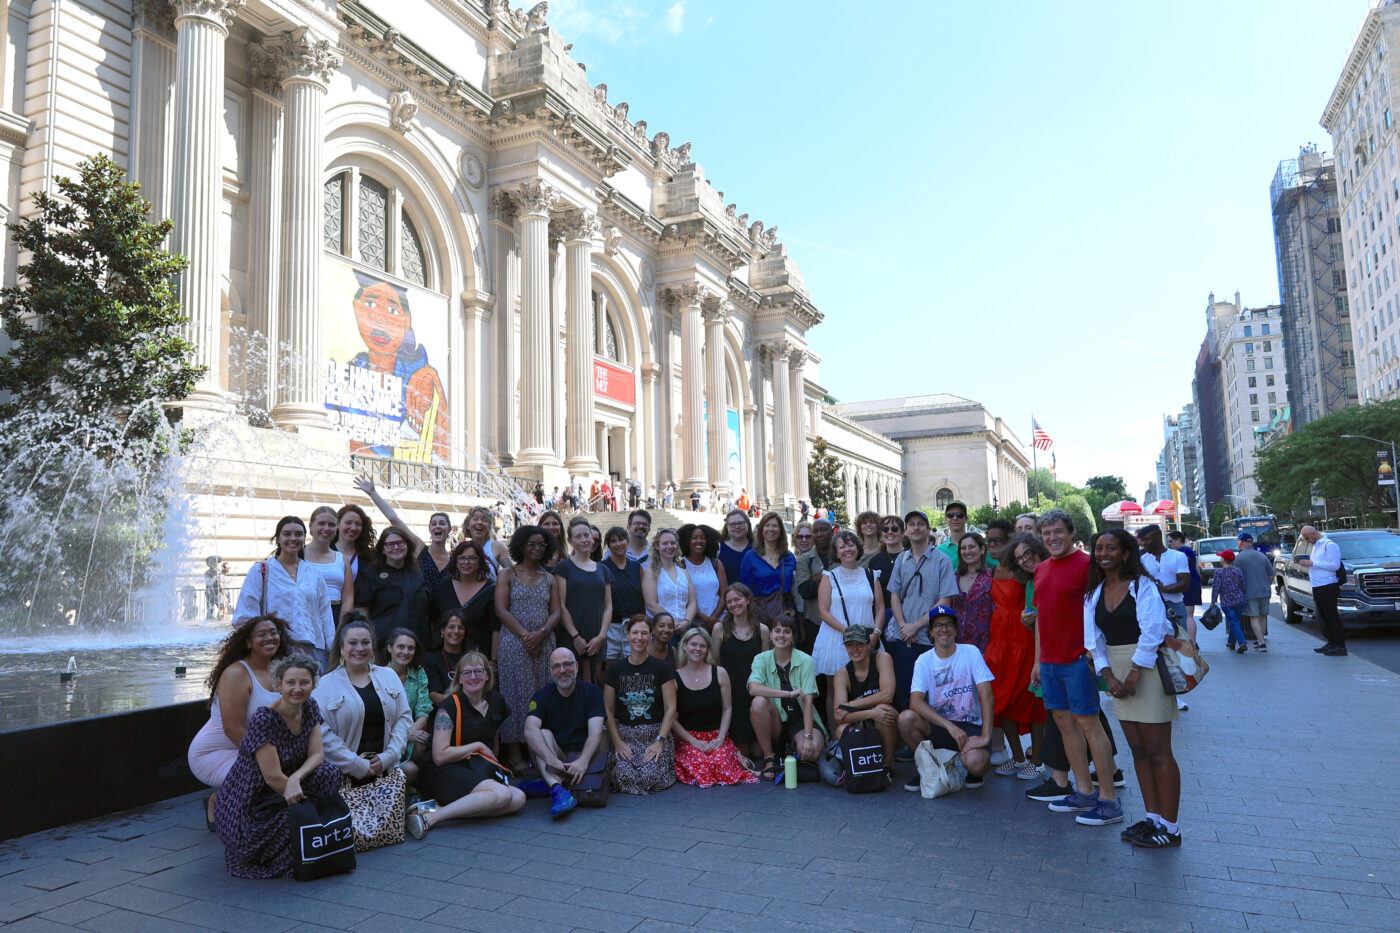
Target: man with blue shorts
1071, 688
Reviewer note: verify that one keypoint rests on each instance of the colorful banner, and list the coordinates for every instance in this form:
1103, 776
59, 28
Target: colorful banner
734, 463
386, 365
614, 383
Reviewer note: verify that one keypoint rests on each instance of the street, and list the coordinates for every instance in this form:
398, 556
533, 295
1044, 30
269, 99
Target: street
1380, 646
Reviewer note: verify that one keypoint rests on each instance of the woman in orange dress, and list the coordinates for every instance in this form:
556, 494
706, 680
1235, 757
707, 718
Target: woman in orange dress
1010, 655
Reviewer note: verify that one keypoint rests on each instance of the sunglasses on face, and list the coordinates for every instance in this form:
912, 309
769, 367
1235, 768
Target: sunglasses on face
956, 515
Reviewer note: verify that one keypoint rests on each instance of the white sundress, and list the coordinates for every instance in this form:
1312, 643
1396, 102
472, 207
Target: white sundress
706, 583
673, 593
829, 652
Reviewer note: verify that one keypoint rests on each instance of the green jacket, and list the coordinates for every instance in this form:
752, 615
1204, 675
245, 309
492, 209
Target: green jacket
803, 677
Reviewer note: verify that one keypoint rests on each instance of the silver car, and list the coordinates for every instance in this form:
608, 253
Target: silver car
1208, 555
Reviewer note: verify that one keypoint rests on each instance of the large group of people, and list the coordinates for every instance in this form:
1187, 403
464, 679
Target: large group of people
426, 681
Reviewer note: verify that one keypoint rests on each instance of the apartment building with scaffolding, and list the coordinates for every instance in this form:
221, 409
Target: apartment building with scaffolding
1360, 116
1312, 282
1251, 351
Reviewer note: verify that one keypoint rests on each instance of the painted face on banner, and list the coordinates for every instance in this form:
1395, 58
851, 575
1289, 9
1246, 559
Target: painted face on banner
381, 317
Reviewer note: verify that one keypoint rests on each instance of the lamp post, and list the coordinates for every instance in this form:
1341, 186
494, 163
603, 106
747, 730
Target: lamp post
1395, 487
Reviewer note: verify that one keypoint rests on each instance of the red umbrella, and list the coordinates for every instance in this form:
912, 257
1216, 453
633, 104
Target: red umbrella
1116, 511
1162, 507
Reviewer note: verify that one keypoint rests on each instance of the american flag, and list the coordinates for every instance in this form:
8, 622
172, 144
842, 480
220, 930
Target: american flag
1039, 439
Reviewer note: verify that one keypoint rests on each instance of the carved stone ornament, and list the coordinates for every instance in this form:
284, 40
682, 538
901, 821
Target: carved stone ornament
154, 16
267, 67
578, 225
769, 238
600, 93
537, 18
535, 197
457, 85
660, 143
612, 241
755, 231
473, 169
683, 153
778, 350
307, 57
224, 12
402, 109
621, 110
647, 273
504, 206
717, 311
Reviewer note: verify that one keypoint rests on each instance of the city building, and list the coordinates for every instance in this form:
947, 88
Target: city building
1321, 363
952, 448
872, 464
432, 241
1251, 351
1179, 460
1161, 488
1208, 396
1360, 116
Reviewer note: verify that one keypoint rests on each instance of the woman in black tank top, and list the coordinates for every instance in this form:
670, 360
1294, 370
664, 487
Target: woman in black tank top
865, 697
705, 756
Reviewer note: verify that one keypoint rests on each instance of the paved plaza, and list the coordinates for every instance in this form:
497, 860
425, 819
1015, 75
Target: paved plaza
1290, 816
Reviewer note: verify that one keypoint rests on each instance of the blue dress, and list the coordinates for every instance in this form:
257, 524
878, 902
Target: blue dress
732, 561
765, 579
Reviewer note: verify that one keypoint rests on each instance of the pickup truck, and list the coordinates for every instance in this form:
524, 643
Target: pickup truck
1371, 594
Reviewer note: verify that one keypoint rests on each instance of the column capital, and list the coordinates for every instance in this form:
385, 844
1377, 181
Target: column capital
779, 350
687, 294
577, 225
155, 16
717, 311
266, 67
219, 13
306, 57
504, 207
534, 197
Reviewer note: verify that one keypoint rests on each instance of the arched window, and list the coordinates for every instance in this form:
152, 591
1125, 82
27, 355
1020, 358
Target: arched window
942, 498
368, 221
606, 338
610, 339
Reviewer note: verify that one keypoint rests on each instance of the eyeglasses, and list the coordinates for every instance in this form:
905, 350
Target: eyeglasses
804, 536
473, 672
955, 515
1024, 557
395, 544
891, 529
943, 625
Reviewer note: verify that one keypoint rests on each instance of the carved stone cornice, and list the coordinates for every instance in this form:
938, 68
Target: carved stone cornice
577, 225
306, 57
534, 197
156, 17
702, 234
220, 13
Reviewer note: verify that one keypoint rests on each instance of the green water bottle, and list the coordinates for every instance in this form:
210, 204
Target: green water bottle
789, 772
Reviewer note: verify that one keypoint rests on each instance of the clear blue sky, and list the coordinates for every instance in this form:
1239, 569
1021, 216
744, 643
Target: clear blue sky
1021, 203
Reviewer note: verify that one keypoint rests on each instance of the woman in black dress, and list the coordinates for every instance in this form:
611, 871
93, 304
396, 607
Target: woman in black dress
738, 637
392, 590
440, 663
585, 594
466, 776
468, 589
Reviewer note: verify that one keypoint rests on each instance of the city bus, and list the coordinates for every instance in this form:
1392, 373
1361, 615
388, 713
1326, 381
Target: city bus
1263, 527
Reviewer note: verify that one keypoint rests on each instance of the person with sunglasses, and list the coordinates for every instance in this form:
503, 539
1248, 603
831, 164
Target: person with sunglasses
882, 561
955, 518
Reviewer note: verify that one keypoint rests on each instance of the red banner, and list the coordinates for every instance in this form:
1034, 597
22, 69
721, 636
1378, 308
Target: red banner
614, 382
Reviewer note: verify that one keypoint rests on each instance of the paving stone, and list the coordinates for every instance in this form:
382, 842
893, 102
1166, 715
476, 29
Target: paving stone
75, 912
231, 919
465, 918
1308, 880
874, 917
129, 921
38, 925
138, 900
566, 916
655, 907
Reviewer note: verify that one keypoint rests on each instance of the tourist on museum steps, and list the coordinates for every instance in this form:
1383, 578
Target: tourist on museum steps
738, 638
922, 578
665, 583
770, 570
863, 690
404, 656
239, 684
705, 755
449, 644
280, 753
585, 600
391, 590
283, 586
333, 566
1010, 655
638, 532
552, 523
467, 588
464, 780
628, 597
527, 603
1128, 616
354, 537
955, 519
973, 604
881, 563
950, 700
783, 684
848, 595
640, 702
700, 547
1071, 689
564, 728
867, 529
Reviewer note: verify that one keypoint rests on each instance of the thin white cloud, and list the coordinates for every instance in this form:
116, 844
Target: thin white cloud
675, 18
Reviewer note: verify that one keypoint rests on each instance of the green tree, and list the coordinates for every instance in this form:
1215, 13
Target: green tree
825, 481
1109, 488
1315, 454
1041, 486
1085, 522
1218, 513
95, 323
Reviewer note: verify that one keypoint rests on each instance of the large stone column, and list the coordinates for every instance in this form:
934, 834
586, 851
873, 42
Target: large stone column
534, 200
506, 371
716, 313
201, 29
579, 227
265, 218
309, 64
690, 298
653, 429
796, 365
778, 352
750, 448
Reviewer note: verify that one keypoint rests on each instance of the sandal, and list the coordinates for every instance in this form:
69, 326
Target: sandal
770, 769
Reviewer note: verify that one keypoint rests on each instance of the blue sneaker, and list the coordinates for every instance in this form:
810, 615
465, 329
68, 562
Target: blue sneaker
534, 789
1074, 802
1101, 814
561, 801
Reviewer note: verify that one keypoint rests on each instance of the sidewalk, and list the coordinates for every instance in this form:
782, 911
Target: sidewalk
1290, 819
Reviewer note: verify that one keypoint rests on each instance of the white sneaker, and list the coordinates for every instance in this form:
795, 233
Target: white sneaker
1182, 705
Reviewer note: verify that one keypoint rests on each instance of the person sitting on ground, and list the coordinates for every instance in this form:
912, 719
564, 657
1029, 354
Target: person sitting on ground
640, 702
705, 756
863, 690
564, 731
950, 700
1227, 591
450, 644
404, 656
240, 684
365, 707
466, 777
280, 754
783, 684
738, 638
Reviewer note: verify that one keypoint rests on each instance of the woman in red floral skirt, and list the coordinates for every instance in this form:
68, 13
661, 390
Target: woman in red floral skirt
705, 756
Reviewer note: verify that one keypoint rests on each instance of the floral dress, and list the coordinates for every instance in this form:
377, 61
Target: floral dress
974, 609
521, 673
251, 821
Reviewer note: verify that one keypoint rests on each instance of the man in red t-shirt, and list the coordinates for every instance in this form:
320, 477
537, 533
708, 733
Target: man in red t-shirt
1070, 685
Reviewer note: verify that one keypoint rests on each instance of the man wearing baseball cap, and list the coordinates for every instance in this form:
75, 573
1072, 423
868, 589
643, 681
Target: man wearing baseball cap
950, 700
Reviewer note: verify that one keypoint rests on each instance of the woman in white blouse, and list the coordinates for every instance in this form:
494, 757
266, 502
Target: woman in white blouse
283, 586
666, 586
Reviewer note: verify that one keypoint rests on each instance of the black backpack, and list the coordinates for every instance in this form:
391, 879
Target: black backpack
863, 758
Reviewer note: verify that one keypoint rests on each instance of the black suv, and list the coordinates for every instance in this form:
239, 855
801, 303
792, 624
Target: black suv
1371, 594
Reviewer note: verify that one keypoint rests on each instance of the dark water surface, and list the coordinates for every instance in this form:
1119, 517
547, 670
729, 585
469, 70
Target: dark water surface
114, 674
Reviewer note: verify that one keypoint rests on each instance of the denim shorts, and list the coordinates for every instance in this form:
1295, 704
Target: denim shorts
1073, 686
1257, 607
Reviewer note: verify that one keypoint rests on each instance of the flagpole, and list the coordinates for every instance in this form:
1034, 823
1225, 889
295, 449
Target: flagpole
1035, 499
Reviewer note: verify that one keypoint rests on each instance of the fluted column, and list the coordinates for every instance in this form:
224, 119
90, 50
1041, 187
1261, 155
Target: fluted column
581, 453
779, 352
689, 299
308, 64
201, 29
263, 295
507, 362
748, 445
652, 426
797, 365
716, 313
537, 345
